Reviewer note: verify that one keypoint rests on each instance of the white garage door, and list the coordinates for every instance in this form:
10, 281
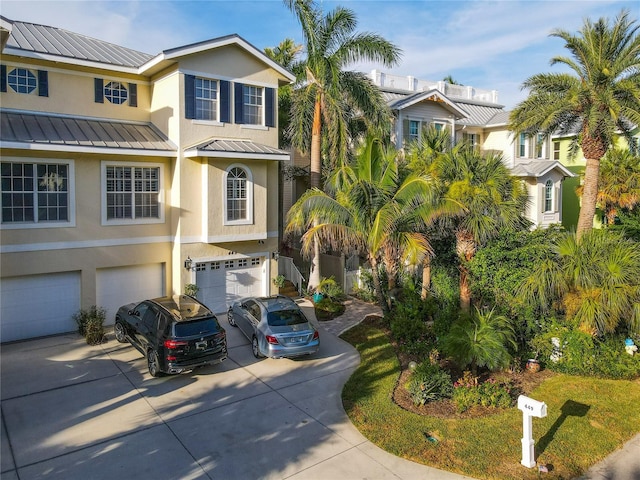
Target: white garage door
223, 282
38, 305
118, 286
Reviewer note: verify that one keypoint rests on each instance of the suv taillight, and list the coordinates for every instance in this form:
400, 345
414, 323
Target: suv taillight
316, 335
272, 340
173, 344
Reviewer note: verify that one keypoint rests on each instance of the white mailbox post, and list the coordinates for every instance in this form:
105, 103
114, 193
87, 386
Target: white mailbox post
530, 408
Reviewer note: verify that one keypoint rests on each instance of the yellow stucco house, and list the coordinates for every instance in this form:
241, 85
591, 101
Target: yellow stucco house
127, 175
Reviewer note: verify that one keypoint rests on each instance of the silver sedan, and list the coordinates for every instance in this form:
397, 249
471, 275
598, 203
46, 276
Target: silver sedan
276, 326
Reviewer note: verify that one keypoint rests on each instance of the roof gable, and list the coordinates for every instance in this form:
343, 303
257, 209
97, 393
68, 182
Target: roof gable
429, 96
539, 168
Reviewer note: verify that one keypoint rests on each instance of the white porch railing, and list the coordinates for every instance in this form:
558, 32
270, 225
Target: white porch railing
287, 268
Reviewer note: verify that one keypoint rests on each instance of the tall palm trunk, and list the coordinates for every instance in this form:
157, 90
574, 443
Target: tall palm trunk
377, 285
466, 249
426, 277
589, 197
315, 180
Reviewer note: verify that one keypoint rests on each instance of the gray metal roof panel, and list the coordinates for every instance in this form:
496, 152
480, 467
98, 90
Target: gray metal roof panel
59, 42
479, 115
37, 128
221, 145
537, 168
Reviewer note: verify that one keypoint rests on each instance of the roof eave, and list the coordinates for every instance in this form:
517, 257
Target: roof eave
196, 152
48, 147
17, 52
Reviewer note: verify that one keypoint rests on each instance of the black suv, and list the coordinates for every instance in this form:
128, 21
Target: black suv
175, 334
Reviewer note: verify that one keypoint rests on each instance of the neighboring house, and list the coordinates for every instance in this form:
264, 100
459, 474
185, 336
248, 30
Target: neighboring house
475, 116
127, 175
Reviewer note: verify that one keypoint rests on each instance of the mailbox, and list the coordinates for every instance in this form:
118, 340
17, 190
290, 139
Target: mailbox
532, 407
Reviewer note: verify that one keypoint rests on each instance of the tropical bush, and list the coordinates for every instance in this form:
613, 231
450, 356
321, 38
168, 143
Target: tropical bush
90, 323
191, 289
279, 281
480, 340
408, 323
567, 350
467, 392
328, 308
428, 383
330, 288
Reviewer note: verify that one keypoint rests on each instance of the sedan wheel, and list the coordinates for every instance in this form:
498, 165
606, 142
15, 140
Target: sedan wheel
153, 363
230, 319
255, 347
118, 330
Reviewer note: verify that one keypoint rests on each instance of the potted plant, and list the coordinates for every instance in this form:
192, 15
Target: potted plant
191, 289
279, 281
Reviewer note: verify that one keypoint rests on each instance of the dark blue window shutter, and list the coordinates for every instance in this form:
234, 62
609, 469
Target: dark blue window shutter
239, 102
189, 96
225, 101
3, 79
98, 87
43, 83
133, 94
270, 110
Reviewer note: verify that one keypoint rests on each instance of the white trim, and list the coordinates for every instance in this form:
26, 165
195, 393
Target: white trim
215, 76
61, 71
250, 126
47, 147
133, 221
204, 174
249, 201
236, 237
113, 242
209, 123
71, 192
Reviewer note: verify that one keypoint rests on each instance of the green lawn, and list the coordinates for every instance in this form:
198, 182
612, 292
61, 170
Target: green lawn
588, 418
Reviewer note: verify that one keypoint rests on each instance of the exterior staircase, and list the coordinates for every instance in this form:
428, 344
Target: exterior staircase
289, 290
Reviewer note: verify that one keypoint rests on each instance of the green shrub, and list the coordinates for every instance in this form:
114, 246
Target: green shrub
279, 281
91, 324
191, 289
429, 383
581, 354
327, 309
364, 295
330, 288
408, 323
467, 393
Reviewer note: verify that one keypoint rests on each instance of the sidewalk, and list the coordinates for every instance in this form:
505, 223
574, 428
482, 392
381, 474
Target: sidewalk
623, 464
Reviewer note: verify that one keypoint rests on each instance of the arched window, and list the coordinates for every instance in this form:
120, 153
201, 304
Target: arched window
238, 195
548, 196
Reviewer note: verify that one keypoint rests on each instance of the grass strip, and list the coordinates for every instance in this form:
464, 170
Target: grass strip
588, 418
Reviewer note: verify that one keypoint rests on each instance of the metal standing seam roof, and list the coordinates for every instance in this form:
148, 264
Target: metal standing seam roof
43, 129
537, 168
238, 147
56, 41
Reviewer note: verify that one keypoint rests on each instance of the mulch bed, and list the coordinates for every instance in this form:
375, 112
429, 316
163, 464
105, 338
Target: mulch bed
524, 383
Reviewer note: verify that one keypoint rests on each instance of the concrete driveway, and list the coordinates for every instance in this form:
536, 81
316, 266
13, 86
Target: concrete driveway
73, 411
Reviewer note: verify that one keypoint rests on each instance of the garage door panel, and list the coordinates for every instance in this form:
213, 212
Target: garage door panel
38, 305
219, 287
121, 285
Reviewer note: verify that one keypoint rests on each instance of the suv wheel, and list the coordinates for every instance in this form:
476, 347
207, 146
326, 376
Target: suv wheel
153, 363
255, 347
118, 331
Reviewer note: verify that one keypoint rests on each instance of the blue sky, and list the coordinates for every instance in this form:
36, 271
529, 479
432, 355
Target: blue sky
492, 45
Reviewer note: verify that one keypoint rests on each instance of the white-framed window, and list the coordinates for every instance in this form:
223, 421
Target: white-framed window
116, 92
556, 150
38, 193
238, 195
540, 145
470, 139
132, 193
252, 105
22, 80
206, 97
548, 196
522, 145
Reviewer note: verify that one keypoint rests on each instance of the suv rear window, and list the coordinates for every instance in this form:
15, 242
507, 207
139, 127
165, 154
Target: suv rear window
283, 318
197, 327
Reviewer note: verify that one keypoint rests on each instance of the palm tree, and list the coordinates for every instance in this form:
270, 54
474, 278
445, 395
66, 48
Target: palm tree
594, 279
372, 208
326, 94
481, 340
599, 98
619, 185
421, 156
489, 198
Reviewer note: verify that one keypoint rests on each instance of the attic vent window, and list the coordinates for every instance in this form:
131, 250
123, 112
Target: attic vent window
22, 80
115, 92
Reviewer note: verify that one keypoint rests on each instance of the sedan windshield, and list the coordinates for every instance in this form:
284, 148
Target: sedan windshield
283, 318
